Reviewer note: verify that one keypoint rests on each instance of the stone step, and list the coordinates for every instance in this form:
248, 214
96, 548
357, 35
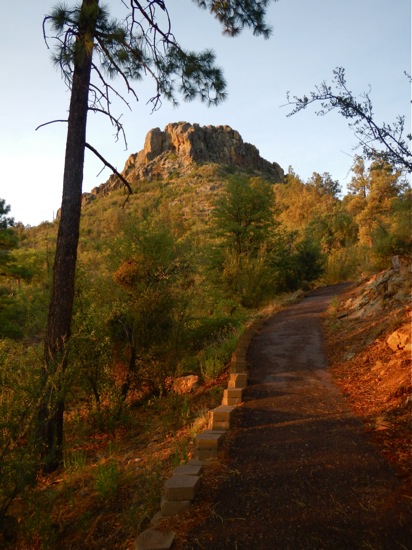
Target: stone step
151, 539
239, 355
209, 439
207, 444
237, 366
221, 417
170, 508
206, 454
181, 487
243, 342
237, 380
232, 396
189, 469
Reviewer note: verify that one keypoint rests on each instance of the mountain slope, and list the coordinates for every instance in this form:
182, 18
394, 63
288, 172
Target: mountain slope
369, 348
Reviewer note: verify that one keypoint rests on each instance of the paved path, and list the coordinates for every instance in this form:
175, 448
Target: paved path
300, 471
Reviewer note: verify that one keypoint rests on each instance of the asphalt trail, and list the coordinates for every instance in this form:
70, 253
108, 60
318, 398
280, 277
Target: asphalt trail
300, 471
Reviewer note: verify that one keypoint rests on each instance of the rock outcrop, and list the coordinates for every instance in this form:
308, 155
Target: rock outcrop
181, 145
201, 144
385, 290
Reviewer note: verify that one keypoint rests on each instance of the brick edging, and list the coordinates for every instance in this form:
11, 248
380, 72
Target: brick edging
182, 486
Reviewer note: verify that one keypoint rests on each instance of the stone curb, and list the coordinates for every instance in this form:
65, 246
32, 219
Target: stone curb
182, 487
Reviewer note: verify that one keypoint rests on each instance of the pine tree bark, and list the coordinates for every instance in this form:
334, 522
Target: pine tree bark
63, 287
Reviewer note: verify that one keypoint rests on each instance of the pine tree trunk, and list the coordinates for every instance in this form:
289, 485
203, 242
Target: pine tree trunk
62, 295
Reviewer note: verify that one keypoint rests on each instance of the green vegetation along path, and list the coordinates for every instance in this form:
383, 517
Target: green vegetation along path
298, 471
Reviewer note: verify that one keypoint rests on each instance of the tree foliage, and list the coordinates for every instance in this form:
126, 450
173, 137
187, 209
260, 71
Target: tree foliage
8, 237
371, 193
236, 15
12, 272
243, 216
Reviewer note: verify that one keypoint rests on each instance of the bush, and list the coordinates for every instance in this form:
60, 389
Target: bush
19, 399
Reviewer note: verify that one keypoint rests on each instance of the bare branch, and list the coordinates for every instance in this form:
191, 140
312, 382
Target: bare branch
50, 122
106, 95
112, 168
167, 36
115, 122
118, 69
369, 133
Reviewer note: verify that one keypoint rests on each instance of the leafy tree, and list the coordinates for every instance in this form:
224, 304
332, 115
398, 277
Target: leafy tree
243, 216
5, 221
8, 238
333, 231
309, 262
393, 237
156, 280
297, 203
325, 185
372, 193
295, 261
387, 141
90, 44
244, 225
12, 271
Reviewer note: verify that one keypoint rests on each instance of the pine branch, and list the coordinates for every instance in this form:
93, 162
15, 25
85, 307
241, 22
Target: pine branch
112, 168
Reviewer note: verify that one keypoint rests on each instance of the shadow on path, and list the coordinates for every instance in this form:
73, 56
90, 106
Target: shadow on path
300, 471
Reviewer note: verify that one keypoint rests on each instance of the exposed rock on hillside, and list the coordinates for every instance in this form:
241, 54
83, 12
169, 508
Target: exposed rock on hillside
193, 143
370, 353
180, 146
385, 290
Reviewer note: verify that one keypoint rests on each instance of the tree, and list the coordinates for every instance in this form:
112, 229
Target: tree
393, 237
386, 141
12, 271
372, 194
297, 203
325, 185
8, 237
92, 49
156, 281
243, 215
245, 227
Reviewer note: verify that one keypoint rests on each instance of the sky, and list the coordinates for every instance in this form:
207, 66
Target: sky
371, 39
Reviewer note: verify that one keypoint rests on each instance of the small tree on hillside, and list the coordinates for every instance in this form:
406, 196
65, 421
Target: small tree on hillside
8, 237
12, 271
243, 216
91, 49
244, 224
373, 193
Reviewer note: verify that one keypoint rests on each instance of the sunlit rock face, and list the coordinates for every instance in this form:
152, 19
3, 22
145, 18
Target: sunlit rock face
181, 145
189, 143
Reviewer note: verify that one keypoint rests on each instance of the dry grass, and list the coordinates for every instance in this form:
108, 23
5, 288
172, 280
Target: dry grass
111, 485
376, 381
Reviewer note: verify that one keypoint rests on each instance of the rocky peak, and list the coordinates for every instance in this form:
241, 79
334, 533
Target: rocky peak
192, 143
180, 145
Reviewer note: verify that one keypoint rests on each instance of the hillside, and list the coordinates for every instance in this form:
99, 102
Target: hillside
374, 378
167, 279
183, 151
369, 348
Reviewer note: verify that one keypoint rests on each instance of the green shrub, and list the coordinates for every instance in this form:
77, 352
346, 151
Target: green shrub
106, 479
19, 399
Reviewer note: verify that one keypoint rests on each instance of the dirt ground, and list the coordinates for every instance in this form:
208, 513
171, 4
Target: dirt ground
298, 469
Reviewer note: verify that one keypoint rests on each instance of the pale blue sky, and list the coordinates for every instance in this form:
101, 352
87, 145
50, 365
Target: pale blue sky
370, 38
